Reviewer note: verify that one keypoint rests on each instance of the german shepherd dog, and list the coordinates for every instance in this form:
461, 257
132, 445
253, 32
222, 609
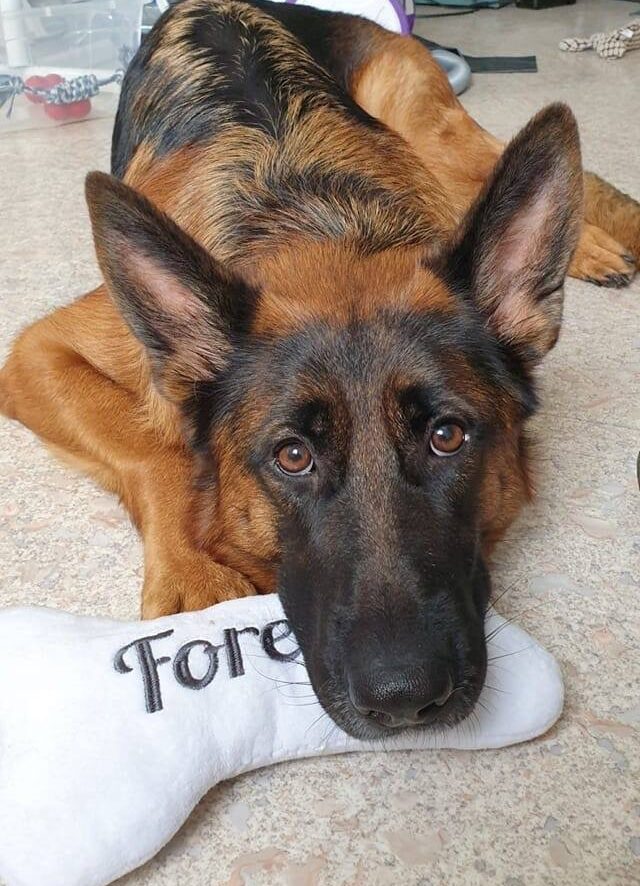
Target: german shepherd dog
312, 360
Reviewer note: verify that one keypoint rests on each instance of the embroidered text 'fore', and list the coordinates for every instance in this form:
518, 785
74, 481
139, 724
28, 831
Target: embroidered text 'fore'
148, 664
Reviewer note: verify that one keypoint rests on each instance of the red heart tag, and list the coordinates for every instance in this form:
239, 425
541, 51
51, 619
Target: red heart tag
37, 82
74, 111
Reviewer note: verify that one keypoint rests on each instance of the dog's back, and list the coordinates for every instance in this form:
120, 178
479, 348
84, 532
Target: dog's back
269, 138
208, 65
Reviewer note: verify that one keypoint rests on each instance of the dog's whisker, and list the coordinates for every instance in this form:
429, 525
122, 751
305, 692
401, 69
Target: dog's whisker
496, 631
496, 689
494, 658
502, 594
313, 723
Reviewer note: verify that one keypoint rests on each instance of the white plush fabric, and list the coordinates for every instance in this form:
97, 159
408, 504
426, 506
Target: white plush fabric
100, 767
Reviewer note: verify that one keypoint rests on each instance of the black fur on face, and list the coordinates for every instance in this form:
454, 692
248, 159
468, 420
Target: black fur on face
381, 571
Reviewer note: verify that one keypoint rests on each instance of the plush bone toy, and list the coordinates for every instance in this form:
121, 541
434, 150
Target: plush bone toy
110, 733
612, 44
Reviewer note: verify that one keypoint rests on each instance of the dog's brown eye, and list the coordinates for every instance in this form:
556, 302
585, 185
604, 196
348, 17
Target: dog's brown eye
294, 458
447, 439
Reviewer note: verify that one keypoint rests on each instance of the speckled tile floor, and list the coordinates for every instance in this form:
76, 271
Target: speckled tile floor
562, 810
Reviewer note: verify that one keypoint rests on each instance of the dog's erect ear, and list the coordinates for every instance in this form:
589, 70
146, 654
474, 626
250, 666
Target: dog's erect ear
183, 306
512, 251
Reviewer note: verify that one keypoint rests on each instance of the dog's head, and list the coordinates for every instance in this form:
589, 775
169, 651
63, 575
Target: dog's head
359, 419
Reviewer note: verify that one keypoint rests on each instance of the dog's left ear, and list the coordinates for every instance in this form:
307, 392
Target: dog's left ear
512, 251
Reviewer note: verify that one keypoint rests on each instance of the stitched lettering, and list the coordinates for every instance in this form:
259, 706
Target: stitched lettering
276, 639
148, 668
269, 641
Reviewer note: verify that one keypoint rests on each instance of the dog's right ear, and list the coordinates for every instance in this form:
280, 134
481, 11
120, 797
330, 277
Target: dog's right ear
512, 251
185, 308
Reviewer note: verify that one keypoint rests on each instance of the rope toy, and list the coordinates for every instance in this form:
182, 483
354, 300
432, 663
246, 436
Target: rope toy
612, 44
111, 732
62, 99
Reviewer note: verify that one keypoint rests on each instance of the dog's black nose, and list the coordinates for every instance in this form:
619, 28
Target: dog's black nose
400, 698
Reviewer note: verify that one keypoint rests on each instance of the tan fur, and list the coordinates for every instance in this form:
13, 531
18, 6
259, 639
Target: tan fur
406, 88
338, 286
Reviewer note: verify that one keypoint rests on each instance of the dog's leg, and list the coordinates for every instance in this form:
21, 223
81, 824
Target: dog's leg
397, 80
76, 378
601, 258
616, 213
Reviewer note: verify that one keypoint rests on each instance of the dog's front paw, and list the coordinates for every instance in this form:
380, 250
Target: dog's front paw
191, 583
602, 260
